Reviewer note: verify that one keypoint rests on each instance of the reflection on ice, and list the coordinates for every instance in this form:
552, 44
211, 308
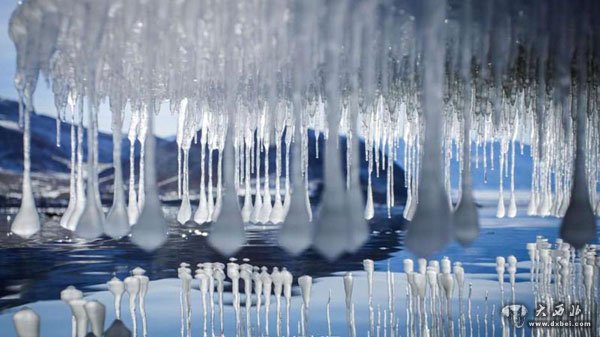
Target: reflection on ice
434, 305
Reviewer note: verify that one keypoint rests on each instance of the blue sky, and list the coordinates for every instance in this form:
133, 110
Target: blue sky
166, 125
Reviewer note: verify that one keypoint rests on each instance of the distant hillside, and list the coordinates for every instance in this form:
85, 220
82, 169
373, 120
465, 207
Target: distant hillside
50, 168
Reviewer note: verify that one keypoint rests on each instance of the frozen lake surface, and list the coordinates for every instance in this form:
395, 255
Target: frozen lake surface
34, 271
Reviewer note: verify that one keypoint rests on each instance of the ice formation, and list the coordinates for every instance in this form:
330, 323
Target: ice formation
559, 275
27, 323
435, 77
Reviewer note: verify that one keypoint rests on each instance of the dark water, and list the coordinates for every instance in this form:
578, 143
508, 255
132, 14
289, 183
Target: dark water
34, 271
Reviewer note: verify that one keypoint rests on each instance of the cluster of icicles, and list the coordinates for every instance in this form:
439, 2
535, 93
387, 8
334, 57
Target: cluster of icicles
432, 76
257, 280
88, 316
560, 275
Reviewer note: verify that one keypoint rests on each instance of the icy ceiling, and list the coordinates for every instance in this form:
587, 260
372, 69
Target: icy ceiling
439, 76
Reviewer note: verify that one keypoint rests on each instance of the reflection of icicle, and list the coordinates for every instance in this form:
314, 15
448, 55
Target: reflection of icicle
132, 285
369, 268
267, 283
329, 334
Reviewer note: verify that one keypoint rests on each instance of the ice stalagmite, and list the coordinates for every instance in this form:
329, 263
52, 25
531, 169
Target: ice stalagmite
267, 207
64, 220
79, 188
27, 323
288, 193
430, 229
96, 313
150, 231
201, 216
184, 141
91, 224
357, 228
333, 212
132, 207
254, 217
142, 134
27, 220
277, 211
26, 24
117, 221
297, 230
227, 234
579, 224
465, 217
247, 152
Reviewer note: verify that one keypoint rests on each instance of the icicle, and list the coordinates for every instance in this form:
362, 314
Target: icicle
27, 221
185, 209
430, 228
500, 212
57, 128
117, 222
209, 194
181, 119
512, 204
579, 224
258, 204
369, 210
132, 206
227, 233
64, 220
141, 137
150, 231
91, 223
277, 214
247, 207
80, 189
297, 230
265, 211
201, 216
334, 214
219, 198
288, 194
